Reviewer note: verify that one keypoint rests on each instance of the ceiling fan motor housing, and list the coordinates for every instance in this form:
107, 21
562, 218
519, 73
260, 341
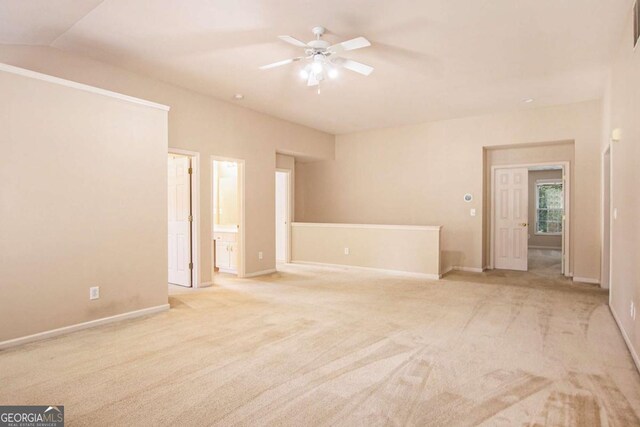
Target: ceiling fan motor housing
319, 44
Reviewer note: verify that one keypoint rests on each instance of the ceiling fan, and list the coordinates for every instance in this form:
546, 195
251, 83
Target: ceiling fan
323, 59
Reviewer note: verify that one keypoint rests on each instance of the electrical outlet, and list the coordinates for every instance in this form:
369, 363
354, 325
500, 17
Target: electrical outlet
94, 292
346, 251
259, 255
632, 310
615, 213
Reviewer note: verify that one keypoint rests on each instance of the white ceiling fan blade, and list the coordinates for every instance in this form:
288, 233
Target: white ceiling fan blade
352, 44
312, 80
293, 41
279, 63
352, 65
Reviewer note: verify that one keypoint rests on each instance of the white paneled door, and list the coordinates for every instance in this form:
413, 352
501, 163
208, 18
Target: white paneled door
511, 231
179, 220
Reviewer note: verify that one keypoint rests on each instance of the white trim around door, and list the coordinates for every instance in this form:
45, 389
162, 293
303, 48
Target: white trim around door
606, 218
566, 229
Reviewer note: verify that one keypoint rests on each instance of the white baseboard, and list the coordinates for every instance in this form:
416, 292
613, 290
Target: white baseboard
586, 280
260, 273
85, 325
546, 247
381, 270
634, 355
467, 269
205, 285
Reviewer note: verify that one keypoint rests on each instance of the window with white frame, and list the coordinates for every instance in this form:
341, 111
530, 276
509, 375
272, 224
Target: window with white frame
549, 206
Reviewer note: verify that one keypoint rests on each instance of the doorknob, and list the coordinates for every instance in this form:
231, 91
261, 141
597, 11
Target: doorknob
524, 224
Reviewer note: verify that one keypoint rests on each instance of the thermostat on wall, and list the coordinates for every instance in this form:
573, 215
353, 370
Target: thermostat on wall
468, 197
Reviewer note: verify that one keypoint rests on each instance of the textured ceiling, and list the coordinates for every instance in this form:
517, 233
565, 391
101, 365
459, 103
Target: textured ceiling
433, 59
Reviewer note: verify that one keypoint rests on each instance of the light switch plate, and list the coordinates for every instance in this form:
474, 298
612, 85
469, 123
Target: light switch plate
473, 212
94, 292
346, 251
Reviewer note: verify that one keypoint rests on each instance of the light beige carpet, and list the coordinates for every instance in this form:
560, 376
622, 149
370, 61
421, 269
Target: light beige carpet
545, 262
314, 346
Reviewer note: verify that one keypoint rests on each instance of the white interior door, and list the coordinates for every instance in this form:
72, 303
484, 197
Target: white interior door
179, 224
511, 218
282, 216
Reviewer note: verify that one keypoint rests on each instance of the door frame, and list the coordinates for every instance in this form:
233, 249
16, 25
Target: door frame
241, 269
608, 149
195, 212
287, 253
566, 230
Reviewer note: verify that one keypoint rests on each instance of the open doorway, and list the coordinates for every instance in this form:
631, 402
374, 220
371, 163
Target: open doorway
228, 216
283, 213
546, 220
530, 218
180, 214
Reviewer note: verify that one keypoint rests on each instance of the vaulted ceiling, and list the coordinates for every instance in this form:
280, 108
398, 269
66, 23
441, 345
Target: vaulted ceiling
433, 59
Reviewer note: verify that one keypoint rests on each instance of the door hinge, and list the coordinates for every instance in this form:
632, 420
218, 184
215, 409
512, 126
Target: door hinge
190, 218
190, 266
190, 171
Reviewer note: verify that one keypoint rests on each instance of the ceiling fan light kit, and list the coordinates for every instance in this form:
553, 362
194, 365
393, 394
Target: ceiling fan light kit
322, 59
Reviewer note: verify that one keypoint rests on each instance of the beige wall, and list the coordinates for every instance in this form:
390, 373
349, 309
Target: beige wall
541, 240
285, 162
289, 163
84, 203
388, 247
419, 174
206, 125
622, 109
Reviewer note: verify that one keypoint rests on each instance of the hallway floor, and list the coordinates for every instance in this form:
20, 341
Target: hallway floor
545, 262
319, 346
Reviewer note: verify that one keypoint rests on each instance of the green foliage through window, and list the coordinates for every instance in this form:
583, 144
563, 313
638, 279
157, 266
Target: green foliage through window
549, 208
